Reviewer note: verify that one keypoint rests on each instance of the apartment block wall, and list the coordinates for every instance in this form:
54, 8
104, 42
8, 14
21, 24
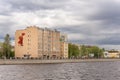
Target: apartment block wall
51, 43
64, 49
37, 42
64, 45
29, 45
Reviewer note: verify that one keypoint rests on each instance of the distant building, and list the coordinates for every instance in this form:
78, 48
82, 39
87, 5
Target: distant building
38, 42
112, 54
64, 45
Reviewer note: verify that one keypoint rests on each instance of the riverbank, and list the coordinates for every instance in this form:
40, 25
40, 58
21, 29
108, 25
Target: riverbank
29, 61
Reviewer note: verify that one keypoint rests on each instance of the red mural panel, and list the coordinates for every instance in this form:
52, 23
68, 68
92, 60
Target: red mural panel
20, 42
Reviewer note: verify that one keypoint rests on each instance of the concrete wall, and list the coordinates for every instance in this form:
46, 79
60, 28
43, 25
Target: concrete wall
22, 61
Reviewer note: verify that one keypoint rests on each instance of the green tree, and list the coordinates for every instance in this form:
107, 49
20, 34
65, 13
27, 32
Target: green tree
83, 51
6, 46
96, 51
1, 54
73, 50
87, 50
12, 54
1, 50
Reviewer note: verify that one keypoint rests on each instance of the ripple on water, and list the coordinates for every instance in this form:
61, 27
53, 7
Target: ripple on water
65, 71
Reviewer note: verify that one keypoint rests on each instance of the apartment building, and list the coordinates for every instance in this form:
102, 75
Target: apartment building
64, 45
38, 42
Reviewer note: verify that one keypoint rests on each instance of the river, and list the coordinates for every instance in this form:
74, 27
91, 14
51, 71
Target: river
63, 71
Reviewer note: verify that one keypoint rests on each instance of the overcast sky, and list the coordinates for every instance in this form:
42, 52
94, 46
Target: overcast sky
94, 22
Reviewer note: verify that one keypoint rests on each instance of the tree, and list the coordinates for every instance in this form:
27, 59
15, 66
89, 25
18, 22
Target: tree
83, 51
73, 50
6, 46
96, 51
1, 50
86, 51
12, 54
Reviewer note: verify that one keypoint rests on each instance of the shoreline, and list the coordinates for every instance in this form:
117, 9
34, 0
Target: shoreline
29, 61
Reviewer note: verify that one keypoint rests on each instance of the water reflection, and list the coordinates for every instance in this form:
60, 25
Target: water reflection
66, 71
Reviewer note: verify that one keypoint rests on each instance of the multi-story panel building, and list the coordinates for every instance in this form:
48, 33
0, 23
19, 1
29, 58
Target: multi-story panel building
37, 42
64, 49
64, 45
26, 42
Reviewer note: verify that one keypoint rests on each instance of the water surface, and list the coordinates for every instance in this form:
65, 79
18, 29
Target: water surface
64, 71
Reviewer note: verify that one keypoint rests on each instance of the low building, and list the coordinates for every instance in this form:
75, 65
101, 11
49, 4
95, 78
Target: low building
112, 54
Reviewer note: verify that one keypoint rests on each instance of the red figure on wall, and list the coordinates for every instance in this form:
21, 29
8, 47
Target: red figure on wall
21, 39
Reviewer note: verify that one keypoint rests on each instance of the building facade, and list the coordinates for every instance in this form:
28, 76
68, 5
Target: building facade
37, 42
112, 54
64, 45
64, 50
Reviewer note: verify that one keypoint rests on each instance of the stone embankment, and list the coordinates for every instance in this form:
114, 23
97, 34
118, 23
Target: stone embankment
37, 61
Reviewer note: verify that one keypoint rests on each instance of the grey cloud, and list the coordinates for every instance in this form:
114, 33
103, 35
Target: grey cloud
100, 18
69, 29
5, 28
81, 29
90, 36
108, 12
113, 39
99, 35
33, 5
